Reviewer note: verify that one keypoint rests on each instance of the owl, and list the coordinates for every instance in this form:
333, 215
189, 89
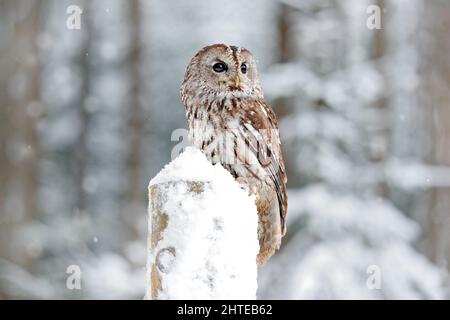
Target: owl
231, 123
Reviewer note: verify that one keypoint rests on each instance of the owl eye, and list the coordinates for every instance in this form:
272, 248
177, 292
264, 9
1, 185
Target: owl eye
220, 67
244, 68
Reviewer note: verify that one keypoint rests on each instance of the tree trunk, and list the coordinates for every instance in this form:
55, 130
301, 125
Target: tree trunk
23, 115
135, 125
82, 154
438, 100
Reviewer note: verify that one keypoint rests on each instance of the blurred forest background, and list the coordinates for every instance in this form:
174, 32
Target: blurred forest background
86, 119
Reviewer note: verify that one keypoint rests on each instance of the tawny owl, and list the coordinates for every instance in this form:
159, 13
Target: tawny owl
231, 123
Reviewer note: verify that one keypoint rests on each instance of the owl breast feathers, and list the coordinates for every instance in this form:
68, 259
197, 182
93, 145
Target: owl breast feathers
231, 123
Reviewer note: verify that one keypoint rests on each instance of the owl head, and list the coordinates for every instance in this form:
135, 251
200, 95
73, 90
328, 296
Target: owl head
222, 70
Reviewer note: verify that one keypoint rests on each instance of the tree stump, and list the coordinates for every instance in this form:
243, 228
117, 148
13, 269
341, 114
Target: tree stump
158, 221
202, 245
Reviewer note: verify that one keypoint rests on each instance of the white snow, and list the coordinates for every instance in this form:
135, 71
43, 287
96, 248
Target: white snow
214, 233
110, 276
339, 237
191, 165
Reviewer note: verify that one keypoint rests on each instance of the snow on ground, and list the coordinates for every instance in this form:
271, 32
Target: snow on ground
213, 232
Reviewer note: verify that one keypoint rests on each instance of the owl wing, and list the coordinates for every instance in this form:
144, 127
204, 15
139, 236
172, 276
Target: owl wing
259, 129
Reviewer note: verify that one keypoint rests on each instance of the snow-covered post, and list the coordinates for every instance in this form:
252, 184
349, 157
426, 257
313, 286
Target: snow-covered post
202, 238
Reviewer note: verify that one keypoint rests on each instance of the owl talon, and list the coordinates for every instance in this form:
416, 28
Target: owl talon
242, 183
250, 189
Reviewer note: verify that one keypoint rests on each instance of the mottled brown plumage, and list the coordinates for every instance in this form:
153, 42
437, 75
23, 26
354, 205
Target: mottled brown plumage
232, 124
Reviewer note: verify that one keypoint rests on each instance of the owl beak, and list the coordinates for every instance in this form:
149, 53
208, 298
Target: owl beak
236, 82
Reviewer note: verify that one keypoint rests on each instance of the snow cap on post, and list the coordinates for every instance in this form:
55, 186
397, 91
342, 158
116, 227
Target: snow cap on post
202, 233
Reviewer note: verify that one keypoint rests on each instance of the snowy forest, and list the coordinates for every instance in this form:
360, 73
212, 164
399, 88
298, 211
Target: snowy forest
90, 111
